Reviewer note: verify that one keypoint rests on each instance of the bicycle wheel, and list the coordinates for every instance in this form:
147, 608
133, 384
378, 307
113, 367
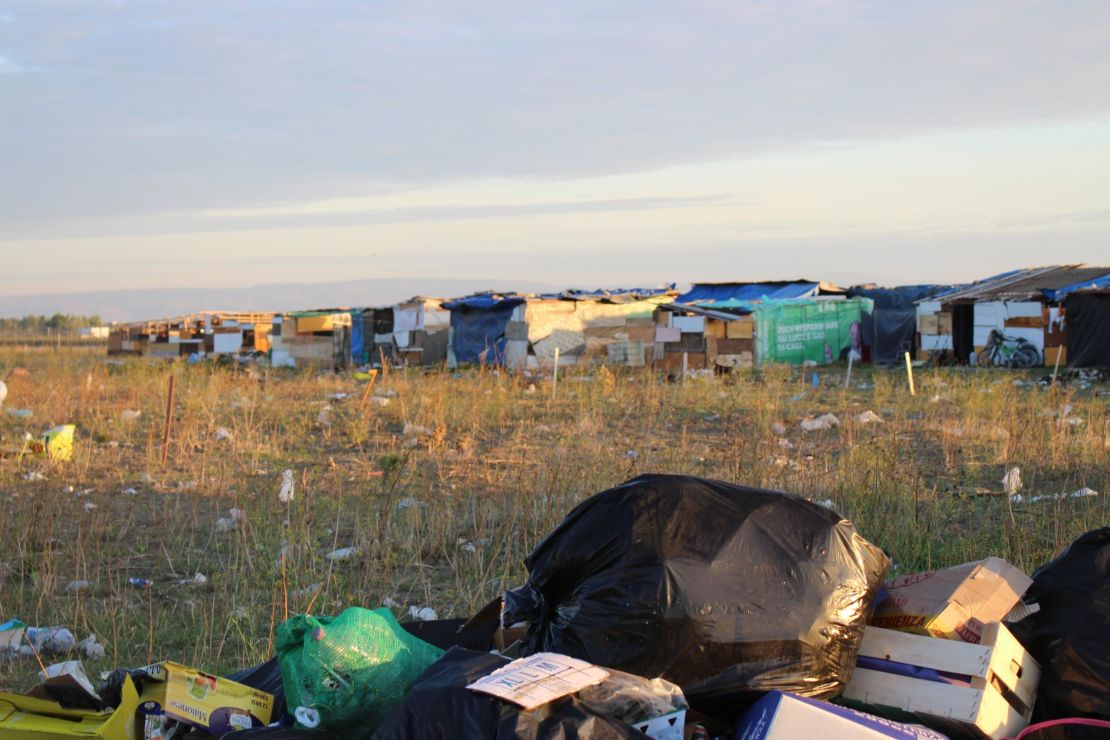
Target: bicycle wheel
1026, 357
984, 359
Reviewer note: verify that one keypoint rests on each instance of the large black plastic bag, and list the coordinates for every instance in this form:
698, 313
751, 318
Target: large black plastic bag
1070, 635
440, 707
725, 590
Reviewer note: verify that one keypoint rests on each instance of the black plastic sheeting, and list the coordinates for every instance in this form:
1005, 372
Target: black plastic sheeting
725, 590
1070, 635
440, 707
1088, 317
890, 328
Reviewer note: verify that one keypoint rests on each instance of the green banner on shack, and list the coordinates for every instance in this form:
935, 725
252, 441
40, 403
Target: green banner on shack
795, 332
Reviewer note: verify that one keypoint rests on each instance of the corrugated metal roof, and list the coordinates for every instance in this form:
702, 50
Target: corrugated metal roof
1029, 284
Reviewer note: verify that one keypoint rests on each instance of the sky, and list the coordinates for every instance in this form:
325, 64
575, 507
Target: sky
165, 144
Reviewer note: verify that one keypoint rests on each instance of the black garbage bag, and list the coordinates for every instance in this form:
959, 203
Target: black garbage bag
725, 590
440, 707
1070, 635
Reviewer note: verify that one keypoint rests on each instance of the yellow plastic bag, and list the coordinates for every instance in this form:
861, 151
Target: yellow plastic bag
56, 443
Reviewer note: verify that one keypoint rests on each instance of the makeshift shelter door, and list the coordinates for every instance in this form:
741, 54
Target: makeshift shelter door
1088, 329
963, 331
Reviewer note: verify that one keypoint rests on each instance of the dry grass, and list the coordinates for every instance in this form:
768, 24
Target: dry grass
444, 518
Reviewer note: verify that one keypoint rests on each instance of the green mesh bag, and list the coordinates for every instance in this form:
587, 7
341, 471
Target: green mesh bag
353, 668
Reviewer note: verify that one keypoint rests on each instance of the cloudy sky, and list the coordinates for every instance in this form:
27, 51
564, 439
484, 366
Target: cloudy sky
193, 142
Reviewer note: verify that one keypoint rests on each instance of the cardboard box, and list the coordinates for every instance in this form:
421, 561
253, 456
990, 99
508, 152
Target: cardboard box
30, 718
997, 701
944, 322
1050, 354
956, 603
928, 324
327, 322
199, 699
740, 329
782, 716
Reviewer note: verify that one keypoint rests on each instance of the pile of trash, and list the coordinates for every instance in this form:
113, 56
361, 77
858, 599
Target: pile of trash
669, 607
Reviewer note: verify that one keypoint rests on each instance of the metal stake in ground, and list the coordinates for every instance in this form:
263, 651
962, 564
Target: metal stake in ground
555, 375
909, 374
169, 419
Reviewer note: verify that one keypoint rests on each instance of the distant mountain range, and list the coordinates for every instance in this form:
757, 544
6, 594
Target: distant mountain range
129, 305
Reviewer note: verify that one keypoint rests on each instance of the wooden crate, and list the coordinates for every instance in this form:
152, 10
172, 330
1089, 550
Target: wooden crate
997, 704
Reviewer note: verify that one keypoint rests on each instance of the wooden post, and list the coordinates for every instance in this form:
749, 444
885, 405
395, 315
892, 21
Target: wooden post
1056, 367
909, 374
169, 419
369, 387
555, 375
848, 375
685, 365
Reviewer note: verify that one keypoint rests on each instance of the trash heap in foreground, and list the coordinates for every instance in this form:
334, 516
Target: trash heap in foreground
668, 607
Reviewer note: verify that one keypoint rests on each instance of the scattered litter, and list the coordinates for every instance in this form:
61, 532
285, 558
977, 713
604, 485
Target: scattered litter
632, 455
340, 396
187, 485
389, 603
130, 492
324, 417
469, 547
3, 392
232, 522
146, 478
423, 614
778, 429
140, 582
415, 430
379, 401
825, 421
285, 493
20, 413
199, 579
130, 414
1011, 482
869, 417
385, 393
16, 638
407, 503
75, 586
1084, 492
797, 396
56, 444
785, 443
1017, 382
343, 553
827, 503
34, 475
90, 506
221, 434
92, 649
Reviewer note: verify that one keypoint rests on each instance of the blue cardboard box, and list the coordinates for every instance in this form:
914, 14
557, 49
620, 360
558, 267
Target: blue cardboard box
782, 716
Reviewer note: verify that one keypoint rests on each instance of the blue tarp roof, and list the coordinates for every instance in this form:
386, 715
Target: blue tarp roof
718, 295
483, 302
1059, 294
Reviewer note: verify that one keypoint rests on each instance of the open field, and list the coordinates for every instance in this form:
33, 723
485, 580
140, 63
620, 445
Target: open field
446, 487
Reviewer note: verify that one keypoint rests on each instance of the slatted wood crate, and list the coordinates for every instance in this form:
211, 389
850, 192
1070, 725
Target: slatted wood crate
998, 702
